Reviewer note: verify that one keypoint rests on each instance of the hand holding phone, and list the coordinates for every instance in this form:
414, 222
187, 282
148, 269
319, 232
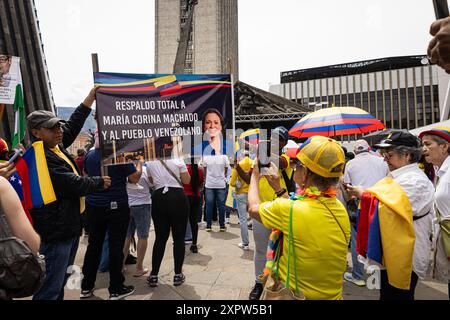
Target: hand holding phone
18, 153
264, 154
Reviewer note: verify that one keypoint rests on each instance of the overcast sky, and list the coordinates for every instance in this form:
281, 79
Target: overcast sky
274, 36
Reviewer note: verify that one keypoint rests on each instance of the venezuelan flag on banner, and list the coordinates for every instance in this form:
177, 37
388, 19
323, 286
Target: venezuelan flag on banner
252, 136
37, 187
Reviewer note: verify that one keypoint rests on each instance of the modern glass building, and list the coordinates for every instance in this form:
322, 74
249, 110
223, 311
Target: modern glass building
403, 92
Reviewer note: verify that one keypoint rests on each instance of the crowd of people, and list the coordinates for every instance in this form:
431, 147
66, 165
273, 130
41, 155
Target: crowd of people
320, 202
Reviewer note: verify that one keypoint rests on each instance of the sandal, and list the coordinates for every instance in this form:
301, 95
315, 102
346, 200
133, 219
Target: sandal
140, 273
178, 279
152, 281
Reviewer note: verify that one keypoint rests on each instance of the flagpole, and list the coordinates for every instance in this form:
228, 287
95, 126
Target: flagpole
2, 108
96, 68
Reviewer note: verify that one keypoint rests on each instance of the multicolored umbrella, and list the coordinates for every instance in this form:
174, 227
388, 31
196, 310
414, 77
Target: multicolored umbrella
336, 121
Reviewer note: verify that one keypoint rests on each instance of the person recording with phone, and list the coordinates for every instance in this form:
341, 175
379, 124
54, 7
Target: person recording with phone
7, 169
274, 162
315, 224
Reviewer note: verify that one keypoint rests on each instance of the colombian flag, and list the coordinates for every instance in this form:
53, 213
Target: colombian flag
37, 188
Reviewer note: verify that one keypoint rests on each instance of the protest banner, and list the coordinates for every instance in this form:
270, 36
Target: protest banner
163, 116
9, 78
11, 92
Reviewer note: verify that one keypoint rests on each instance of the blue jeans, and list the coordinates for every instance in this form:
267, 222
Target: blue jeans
358, 267
241, 200
261, 236
59, 256
219, 196
140, 220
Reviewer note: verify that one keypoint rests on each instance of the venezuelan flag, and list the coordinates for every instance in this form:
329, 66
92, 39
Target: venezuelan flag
37, 187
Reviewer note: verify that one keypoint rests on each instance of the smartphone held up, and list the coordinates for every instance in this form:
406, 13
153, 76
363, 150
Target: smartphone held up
17, 154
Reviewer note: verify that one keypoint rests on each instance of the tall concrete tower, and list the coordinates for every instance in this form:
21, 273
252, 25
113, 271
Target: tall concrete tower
20, 36
213, 45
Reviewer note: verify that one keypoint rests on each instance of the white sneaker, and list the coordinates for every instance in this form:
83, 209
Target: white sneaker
348, 277
243, 246
227, 220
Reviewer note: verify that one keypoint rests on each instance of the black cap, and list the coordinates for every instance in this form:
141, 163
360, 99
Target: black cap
282, 132
399, 138
42, 119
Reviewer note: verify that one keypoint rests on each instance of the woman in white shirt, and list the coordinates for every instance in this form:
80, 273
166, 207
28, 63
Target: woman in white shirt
170, 213
402, 152
215, 164
436, 148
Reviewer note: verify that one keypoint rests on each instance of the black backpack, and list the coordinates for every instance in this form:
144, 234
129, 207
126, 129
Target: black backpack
22, 273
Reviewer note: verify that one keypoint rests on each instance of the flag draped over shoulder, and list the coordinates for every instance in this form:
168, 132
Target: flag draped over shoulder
37, 187
386, 232
19, 110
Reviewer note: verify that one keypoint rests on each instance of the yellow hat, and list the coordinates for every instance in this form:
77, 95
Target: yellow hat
323, 156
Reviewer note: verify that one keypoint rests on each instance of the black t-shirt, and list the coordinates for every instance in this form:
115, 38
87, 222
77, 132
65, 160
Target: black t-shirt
118, 174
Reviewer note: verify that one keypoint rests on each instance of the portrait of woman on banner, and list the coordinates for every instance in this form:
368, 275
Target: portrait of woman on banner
215, 140
5, 66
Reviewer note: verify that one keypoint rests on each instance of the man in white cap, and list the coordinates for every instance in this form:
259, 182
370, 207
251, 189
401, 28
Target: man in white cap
364, 171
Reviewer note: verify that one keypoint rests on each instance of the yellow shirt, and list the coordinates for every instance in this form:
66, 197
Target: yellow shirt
266, 193
246, 164
319, 244
60, 154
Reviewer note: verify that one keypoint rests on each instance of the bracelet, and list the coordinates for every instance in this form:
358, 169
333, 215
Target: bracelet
281, 193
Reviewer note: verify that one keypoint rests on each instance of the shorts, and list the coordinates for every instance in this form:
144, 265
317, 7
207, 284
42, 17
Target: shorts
140, 219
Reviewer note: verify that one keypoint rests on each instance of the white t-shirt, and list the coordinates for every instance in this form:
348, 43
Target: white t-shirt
442, 196
137, 197
420, 191
162, 178
215, 171
365, 170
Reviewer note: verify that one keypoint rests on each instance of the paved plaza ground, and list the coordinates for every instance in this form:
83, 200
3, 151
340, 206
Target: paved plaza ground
220, 271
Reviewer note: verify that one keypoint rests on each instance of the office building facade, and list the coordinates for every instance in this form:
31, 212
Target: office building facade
402, 92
